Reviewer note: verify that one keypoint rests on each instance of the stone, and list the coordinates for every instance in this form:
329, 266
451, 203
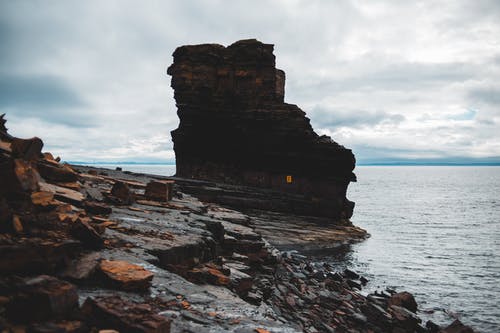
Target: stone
63, 194
236, 128
62, 326
159, 190
404, 318
125, 275
41, 298
405, 300
27, 175
84, 232
53, 171
108, 313
17, 225
97, 208
82, 268
457, 327
208, 273
121, 191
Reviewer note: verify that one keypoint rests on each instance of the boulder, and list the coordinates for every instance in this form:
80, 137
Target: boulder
159, 190
404, 299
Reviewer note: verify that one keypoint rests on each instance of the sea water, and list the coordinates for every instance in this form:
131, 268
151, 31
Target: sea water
435, 232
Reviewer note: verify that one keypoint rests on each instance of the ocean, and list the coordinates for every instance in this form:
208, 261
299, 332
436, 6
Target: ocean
435, 232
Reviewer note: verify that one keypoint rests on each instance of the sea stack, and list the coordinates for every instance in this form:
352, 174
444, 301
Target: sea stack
235, 128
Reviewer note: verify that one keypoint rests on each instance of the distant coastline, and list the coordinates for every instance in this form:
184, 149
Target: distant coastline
396, 163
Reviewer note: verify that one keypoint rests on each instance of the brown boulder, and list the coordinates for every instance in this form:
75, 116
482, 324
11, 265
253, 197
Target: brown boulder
159, 190
404, 299
122, 193
457, 327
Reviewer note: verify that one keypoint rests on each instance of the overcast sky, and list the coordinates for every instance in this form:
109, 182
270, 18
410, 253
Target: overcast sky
389, 79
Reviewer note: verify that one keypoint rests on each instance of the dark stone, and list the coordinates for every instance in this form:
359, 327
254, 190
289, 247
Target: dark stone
457, 327
122, 193
85, 233
159, 190
58, 327
97, 208
351, 274
108, 313
41, 298
235, 128
404, 299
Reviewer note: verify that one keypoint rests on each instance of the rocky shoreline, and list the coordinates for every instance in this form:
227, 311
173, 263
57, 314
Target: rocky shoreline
95, 250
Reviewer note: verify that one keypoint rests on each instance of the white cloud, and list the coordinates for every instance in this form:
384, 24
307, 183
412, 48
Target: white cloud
386, 78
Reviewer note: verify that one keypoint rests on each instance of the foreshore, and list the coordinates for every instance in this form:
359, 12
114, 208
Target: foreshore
86, 249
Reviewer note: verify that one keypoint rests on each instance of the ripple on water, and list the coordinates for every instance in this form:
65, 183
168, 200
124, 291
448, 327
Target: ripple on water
436, 233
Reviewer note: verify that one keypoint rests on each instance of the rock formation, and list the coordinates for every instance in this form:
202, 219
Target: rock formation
236, 128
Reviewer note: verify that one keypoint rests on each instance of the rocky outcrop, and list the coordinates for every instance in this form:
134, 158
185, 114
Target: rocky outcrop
236, 128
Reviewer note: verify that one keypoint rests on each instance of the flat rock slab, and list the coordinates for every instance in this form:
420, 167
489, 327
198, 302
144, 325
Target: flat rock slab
125, 275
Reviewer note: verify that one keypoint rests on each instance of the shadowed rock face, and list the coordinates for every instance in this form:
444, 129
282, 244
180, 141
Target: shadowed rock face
236, 128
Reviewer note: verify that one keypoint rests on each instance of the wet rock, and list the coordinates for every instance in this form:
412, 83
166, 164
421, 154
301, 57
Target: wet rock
41, 298
108, 313
351, 274
404, 318
432, 327
404, 299
159, 190
125, 275
457, 327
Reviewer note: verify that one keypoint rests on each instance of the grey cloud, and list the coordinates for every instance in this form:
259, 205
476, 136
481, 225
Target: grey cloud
331, 119
408, 76
45, 97
489, 95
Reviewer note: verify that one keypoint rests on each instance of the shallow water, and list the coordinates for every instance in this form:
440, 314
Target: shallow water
435, 231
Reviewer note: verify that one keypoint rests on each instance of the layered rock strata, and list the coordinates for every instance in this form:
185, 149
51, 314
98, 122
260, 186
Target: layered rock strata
236, 128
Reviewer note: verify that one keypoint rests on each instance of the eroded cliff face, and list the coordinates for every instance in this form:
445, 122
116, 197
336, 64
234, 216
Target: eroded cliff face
236, 128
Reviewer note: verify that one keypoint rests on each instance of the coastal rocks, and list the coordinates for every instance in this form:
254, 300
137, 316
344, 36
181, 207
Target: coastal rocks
235, 128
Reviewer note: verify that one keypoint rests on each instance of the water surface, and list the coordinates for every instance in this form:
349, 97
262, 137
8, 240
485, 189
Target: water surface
435, 231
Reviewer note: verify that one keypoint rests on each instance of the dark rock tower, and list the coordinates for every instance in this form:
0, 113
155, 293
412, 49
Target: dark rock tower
236, 128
